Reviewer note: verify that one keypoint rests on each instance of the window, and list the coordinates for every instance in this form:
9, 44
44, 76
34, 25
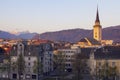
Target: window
14, 47
20, 44
3, 75
50, 55
99, 64
27, 76
41, 58
21, 75
107, 64
28, 58
67, 65
29, 64
34, 76
113, 64
29, 53
96, 35
14, 76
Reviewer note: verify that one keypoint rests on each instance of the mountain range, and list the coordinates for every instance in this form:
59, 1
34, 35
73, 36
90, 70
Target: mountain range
71, 35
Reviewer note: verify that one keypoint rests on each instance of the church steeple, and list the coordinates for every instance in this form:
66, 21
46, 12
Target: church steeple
97, 16
97, 28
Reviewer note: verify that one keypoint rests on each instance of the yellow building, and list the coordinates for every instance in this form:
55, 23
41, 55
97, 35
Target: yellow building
106, 42
97, 28
105, 63
88, 42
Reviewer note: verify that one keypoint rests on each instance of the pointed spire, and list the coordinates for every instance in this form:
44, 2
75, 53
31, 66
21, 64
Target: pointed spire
97, 16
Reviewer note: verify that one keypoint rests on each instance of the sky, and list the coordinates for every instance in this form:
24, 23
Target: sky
53, 15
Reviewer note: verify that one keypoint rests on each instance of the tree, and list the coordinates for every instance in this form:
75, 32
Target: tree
79, 65
20, 65
38, 66
3, 67
107, 72
35, 67
59, 62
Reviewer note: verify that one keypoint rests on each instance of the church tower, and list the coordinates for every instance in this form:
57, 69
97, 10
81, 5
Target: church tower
97, 28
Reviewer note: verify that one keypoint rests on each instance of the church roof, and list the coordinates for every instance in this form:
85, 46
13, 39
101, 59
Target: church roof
92, 41
97, 16
83, 40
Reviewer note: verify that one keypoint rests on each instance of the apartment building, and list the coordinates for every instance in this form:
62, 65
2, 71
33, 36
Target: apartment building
37, 61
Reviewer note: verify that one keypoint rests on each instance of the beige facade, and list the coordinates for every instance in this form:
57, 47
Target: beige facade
102, 61
97, 33
110, 62
107, 42
100, 64
68, 56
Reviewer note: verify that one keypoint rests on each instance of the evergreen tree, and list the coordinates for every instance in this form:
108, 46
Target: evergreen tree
20, 65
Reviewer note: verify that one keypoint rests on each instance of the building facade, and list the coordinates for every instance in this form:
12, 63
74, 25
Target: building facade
36, 61
105, 63
68, 57
4, 71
